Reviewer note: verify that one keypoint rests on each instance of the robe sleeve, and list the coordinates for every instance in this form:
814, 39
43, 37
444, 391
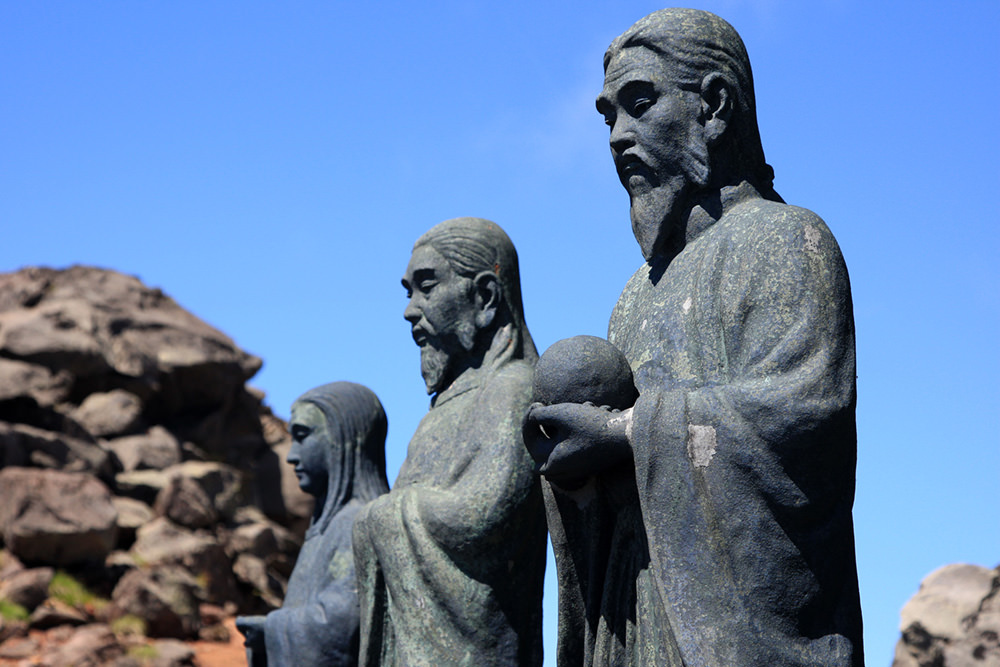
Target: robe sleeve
324, 630
493, 481
746, 480
448, 549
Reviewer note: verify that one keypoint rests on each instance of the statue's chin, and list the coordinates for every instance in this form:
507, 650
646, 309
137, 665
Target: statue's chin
434, 366
654, 213
648, 225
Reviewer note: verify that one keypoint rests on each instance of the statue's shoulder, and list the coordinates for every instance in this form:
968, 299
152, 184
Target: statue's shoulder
512, 381
774, 217
514, 373
761, 222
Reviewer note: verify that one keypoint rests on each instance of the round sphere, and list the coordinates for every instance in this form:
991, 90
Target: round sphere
581, 369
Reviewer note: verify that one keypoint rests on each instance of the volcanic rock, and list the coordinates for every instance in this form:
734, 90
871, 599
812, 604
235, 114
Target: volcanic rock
165, 598
56, 517
154, 450
105, 414
953, 620
161, 542
28, 588
53, 612
89, 646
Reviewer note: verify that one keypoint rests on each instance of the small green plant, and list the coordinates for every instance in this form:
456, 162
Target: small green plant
68, 589
11, 611
203, 580
128, 625
144, 652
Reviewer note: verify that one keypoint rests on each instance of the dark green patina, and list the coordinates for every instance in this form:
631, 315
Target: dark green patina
710, 523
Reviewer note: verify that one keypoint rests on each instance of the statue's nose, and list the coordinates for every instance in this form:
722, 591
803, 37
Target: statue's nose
411, 314
622, 135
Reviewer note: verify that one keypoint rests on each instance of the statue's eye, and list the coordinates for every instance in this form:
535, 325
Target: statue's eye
637, 96
427, 285
641, 104
300, 432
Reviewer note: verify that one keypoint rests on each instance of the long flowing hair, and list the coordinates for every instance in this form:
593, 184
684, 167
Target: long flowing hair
357, 425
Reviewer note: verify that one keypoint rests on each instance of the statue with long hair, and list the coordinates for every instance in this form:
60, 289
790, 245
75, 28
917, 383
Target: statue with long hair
338, 451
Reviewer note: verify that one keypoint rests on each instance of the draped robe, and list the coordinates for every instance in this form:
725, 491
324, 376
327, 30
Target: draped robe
730, 542
317, 623
451, 561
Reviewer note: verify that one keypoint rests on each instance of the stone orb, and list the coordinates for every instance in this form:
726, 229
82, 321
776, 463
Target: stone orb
581, 369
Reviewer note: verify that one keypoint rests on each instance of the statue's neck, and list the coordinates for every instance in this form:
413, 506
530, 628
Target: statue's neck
707, 207
501, 349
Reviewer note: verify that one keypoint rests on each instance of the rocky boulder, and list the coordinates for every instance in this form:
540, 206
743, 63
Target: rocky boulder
140, 354
92, 644
110, 413
199, 493
43, 385
26, 445
58, 518
165, 598
28, 587
161, 542
953, 620
132, 515
131, 450
154, 450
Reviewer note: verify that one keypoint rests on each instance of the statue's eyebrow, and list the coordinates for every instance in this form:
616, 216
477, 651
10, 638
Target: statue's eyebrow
423, 274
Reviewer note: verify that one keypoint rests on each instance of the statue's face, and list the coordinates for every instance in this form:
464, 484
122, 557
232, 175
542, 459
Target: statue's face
442, 312
311, 442
654, 140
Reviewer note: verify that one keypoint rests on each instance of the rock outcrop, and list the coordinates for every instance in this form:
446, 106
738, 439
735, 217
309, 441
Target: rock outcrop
134, 457
56, 518
953, 620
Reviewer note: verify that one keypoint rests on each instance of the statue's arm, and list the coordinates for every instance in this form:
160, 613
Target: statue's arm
498, 476
327, 625
571, 441
784, 319
252, 628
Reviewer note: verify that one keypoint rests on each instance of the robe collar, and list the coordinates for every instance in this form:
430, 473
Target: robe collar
466, 382
709, 209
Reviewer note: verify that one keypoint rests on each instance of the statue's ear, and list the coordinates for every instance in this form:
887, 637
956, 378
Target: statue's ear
716, 106
487, 294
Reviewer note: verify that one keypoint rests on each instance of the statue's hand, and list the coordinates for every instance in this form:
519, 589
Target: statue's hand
252, 628
570, 441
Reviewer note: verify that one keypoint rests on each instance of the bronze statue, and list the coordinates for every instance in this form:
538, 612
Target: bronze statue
710, 523
451, 562
338, 432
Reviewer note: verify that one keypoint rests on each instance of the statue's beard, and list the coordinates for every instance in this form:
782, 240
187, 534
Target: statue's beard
657, 212
441, 356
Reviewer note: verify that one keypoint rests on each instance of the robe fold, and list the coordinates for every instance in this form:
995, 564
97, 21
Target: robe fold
451, 562
740, 547
318, 621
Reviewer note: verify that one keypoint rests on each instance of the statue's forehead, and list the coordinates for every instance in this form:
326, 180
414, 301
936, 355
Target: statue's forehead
308, 414
634, 63
425, 257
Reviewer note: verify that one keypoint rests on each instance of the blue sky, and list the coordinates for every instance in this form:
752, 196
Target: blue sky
269, 166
